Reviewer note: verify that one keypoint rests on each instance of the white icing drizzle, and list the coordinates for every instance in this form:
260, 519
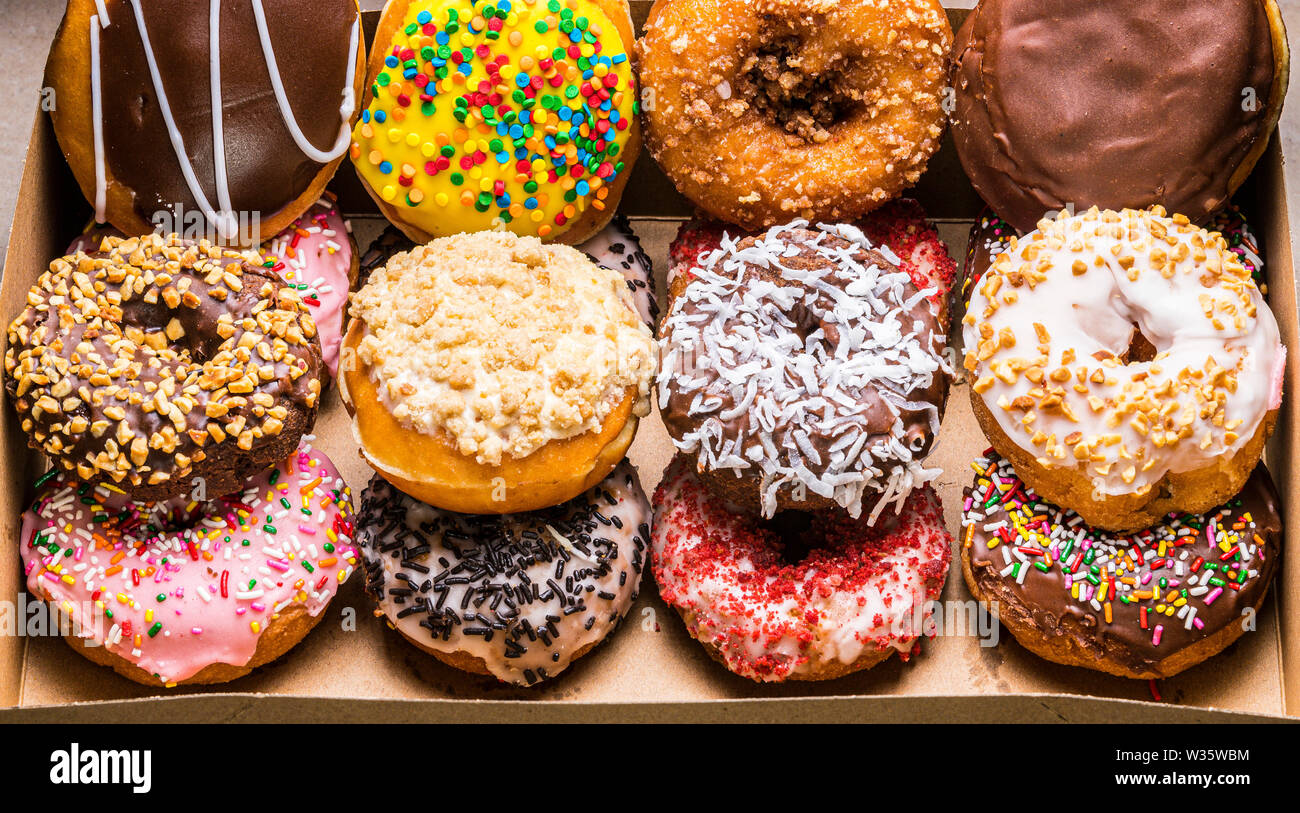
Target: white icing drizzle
349, 95
786, 385
218, 128
102, 14
225, 225
1050, 323
97, 119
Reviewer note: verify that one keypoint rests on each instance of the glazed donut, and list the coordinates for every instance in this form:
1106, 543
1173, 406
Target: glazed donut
900, 224
316, 255
1085, 111
214, 120
803, 370
772, 110
191, 591
1143, 605
495, 374
784, 600
515, 114
991, 235
519, 597
1126, 364
616, 247
156, 361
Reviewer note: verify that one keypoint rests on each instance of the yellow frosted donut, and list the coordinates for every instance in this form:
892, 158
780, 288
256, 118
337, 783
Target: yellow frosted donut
492, 113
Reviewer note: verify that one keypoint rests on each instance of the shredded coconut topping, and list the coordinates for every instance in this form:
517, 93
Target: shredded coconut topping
502, 342
803, 353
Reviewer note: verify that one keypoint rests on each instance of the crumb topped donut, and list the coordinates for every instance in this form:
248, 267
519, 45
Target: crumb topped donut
771, 110
520, 596
155, 361
803, 369
519, 114
805, 597
1144, 605
494, 373
1125, 363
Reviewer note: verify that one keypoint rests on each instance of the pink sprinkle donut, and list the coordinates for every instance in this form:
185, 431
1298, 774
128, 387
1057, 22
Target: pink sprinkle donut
836, 597
316, 255
192, 590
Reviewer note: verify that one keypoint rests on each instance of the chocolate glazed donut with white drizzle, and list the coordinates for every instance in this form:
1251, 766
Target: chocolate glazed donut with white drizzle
804, 370
228, 115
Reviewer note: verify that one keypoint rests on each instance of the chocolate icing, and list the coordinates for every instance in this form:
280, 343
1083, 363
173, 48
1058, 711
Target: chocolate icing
238, 383
990, 235
266, 168
1109, 103
1044, 602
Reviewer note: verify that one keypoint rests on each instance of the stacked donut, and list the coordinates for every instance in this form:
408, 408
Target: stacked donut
495, 375
1122, 360
803, 369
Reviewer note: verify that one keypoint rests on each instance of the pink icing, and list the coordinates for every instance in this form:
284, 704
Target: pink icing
1278, 375
208, 584
316, 252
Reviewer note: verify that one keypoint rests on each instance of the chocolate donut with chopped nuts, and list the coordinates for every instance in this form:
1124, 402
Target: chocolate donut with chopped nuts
159, 365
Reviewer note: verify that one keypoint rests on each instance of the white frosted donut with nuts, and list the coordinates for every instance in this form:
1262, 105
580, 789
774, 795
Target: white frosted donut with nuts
1126, 362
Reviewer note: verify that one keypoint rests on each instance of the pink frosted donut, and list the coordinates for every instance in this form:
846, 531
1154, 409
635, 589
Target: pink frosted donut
812, 603
316, 255
192, 591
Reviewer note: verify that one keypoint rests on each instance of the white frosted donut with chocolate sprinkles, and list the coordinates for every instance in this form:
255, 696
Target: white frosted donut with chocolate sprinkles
516, 596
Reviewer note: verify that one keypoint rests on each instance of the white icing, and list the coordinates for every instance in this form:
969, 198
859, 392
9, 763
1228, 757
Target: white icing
281, 97
218, 128
1200, 314
97, 119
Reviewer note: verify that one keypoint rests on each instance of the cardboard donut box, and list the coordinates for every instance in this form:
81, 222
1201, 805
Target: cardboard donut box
353, 668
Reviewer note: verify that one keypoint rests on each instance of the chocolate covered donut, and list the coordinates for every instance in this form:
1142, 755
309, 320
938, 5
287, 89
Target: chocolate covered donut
226, 116
156, 365
1147, 604
804, 369
1114, 104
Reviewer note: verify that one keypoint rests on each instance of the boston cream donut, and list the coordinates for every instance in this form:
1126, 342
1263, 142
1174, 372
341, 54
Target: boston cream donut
772, 110
519, 597
1146, 604
224, 120
1126, 364
1087, 110
191, 590
494, 374
514, 113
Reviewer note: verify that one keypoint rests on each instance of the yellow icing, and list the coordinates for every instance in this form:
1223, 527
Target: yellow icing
395, 145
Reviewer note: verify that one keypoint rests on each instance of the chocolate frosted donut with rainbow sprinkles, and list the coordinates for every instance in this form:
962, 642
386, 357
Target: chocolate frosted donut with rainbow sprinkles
1146, 604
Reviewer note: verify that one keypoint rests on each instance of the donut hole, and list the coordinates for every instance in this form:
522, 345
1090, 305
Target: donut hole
795, 534
1140, 348
784, 85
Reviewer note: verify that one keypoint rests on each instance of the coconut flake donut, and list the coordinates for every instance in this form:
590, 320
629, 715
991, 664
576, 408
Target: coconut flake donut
772, 110
316, 256
516, 596
797, 603
804, 370
156, 360
197, 589
1143, 605
517, 114
1126, 364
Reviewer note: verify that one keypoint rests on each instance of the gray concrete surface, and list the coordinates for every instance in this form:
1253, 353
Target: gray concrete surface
28, 26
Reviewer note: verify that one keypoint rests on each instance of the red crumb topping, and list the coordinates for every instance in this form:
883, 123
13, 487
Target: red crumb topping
749, 601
